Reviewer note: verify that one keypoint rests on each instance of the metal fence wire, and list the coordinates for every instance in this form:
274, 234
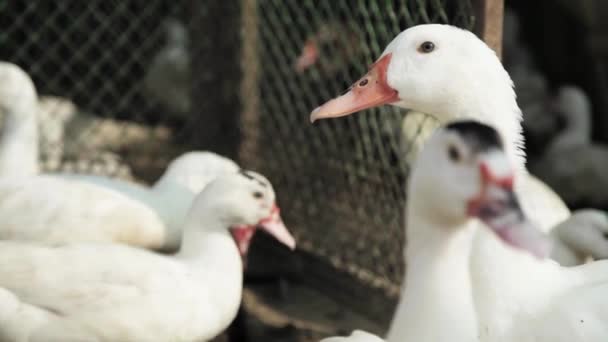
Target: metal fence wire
112, 79
341, 182
117, 75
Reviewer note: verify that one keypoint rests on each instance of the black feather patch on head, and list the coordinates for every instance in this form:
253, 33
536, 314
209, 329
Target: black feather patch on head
480, 137
251, 176
246, 174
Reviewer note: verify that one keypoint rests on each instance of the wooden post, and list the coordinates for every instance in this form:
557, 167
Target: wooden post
488, 23
215, 33
249, 93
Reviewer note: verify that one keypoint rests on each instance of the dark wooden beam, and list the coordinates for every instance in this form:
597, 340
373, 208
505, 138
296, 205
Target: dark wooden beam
215, 31
250, 90
488, 22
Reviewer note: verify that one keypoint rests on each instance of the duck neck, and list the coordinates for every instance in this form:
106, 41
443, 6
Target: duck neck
19, 139
207, 241
437, 287
210, 253
172, 202
577, 130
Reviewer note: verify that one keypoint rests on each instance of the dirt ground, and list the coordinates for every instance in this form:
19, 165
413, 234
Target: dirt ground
284, 311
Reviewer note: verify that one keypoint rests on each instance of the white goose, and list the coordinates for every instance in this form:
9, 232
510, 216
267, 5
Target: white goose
438, 303
129, 294
451, 74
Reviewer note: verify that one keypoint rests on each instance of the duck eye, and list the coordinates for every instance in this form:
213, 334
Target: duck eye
258, 194
426, 47
453, 154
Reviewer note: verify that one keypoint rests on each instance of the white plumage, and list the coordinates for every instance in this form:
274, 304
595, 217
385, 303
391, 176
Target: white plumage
457, 289
111, 292
69, 207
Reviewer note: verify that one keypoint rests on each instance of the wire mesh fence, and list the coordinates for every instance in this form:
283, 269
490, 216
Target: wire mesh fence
119, 78
112, 78
341, 182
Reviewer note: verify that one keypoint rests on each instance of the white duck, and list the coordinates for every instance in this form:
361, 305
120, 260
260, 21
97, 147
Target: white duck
579, 178
464, 159
53, 207
63, 208
584, 232
451, 74
193, 295
18, 105
168, 76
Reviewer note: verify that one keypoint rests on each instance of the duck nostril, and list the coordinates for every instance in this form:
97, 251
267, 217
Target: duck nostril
363, 82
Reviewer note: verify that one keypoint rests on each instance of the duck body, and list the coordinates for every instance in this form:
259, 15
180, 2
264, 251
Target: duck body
61, 208
67, 292
147, 298
503, 289
50, 209
552, 304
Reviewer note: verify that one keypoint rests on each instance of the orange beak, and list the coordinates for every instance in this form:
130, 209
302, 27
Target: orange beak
371, 90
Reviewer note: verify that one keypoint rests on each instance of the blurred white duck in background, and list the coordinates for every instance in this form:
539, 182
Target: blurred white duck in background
430, 69
573, 165
168, 77
171, 196
64, 208
472, 291
416, 128
70, 293
55, 207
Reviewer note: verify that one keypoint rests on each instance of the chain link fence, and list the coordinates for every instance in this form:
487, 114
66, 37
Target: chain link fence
341, 182
112, 79
118, 78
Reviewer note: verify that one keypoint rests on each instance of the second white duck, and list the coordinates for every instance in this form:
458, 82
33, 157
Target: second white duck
60, 208
502, 294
